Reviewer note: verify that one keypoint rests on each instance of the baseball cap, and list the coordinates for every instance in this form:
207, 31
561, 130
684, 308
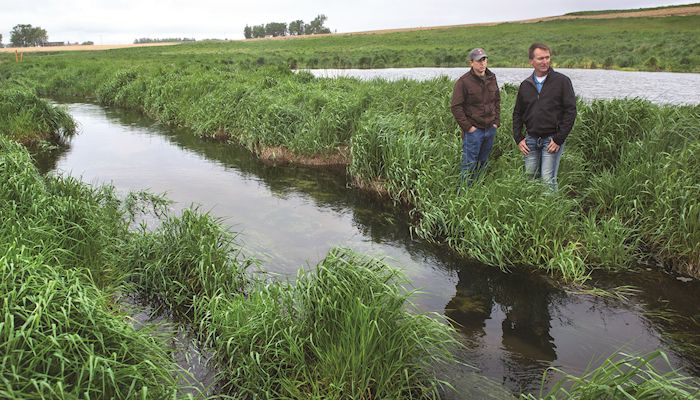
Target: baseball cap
477, 54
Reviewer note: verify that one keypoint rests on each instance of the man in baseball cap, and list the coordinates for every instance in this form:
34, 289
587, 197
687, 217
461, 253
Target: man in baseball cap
476, 106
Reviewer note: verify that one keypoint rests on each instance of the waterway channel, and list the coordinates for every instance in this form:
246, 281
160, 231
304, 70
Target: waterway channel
514, 325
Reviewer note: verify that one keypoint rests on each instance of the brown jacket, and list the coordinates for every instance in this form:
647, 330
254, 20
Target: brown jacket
476, 101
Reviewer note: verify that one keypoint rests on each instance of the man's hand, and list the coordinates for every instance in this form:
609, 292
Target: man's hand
523, 147
553, 147
472, 129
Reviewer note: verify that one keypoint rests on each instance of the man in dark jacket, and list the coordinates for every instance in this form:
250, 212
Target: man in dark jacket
476, 105
546, 105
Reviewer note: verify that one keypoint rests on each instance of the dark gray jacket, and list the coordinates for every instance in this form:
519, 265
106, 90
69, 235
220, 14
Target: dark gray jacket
552, 111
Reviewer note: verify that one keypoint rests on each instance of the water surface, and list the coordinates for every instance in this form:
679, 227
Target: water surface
658, 87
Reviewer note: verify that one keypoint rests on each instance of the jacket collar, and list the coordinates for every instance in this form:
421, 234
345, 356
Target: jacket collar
530, 78
488, 75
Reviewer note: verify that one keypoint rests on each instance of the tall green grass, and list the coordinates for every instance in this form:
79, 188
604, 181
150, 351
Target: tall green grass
61, 334
26, 118
186, 258
625, 376
341, 332
344, 330
62, 338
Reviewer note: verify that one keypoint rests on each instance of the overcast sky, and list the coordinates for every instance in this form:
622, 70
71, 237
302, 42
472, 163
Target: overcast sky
123, 21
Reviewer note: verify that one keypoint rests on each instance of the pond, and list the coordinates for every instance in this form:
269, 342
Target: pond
589, 84
513, 325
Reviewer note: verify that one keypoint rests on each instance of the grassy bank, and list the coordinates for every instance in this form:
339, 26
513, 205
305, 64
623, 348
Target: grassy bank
62, 335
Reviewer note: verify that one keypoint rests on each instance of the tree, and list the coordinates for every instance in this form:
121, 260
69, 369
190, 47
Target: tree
24, 35
296, 27
248, 32
316, 26
258, 31
276, 29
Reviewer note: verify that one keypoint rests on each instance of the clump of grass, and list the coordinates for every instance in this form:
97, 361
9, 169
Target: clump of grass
61, 334
619, 293
603, 127
652, 190
26, 118
122, 89
625, 376
339, 333
62, 338
69, 222
187, 257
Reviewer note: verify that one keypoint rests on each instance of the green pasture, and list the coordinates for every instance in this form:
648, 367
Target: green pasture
631, 10
648, 44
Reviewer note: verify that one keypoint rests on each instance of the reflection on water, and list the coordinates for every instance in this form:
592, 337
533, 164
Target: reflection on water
522, 303
513, 325
659, 87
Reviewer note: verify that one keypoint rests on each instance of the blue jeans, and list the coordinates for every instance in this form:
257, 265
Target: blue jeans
476, 147
539, 163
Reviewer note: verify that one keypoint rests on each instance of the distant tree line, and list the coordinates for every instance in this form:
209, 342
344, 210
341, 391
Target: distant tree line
25, 35
150, 40
294, 28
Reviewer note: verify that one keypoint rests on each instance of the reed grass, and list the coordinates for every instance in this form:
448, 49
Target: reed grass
62, 338
626, 376
186, 258
27, 119
340, 332
61, 334
343, 330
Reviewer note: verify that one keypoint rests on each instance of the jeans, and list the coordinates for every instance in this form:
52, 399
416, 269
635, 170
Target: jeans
476, 147
539, 163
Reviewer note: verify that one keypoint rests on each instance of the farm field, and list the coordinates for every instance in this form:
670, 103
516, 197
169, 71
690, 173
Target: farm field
664, 39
